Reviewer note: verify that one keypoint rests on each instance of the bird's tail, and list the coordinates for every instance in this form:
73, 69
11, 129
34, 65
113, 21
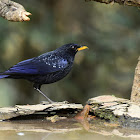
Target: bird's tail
3, 76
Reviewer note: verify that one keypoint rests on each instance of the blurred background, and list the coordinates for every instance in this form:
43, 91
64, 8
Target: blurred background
112, 33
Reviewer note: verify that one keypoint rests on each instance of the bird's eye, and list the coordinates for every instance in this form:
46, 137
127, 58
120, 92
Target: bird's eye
72, 47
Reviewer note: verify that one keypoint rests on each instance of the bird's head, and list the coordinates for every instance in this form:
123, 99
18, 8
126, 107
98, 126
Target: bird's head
72, 48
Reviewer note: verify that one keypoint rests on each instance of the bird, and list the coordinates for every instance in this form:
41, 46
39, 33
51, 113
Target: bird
47, 68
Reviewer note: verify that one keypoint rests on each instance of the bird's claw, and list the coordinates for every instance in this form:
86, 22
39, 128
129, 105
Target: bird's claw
65, 102
44, 102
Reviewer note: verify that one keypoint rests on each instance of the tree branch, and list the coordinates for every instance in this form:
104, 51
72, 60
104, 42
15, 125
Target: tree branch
13, 11
121, 2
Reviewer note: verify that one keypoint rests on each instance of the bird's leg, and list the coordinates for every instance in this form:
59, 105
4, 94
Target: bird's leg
37, 87
50, 101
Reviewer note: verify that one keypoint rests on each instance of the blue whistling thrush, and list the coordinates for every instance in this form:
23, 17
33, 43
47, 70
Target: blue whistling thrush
46, 68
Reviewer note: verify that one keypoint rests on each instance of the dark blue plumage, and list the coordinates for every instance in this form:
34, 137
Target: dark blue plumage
3, 76
46, 68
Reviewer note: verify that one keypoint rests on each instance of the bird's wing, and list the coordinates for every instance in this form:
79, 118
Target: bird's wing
38, 65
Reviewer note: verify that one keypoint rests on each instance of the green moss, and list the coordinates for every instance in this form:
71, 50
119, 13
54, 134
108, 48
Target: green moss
105, 114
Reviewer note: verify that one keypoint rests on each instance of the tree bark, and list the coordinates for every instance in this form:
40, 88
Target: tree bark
121, 2
13, 11
55, 108
135, 94
118, 110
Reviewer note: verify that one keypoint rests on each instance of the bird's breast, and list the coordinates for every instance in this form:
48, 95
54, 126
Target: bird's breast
56, 76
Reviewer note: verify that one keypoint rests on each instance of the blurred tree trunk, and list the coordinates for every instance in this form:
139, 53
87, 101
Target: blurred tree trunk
27, 94
25, 88
135, 95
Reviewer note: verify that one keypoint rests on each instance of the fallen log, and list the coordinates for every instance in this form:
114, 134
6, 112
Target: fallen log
43, 110
121, 112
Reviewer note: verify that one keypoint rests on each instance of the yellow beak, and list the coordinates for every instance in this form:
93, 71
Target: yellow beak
82, 48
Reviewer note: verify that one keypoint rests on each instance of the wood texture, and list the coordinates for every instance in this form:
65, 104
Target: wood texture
135, 94
13, 11
121, 2
118, 110
22, 110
